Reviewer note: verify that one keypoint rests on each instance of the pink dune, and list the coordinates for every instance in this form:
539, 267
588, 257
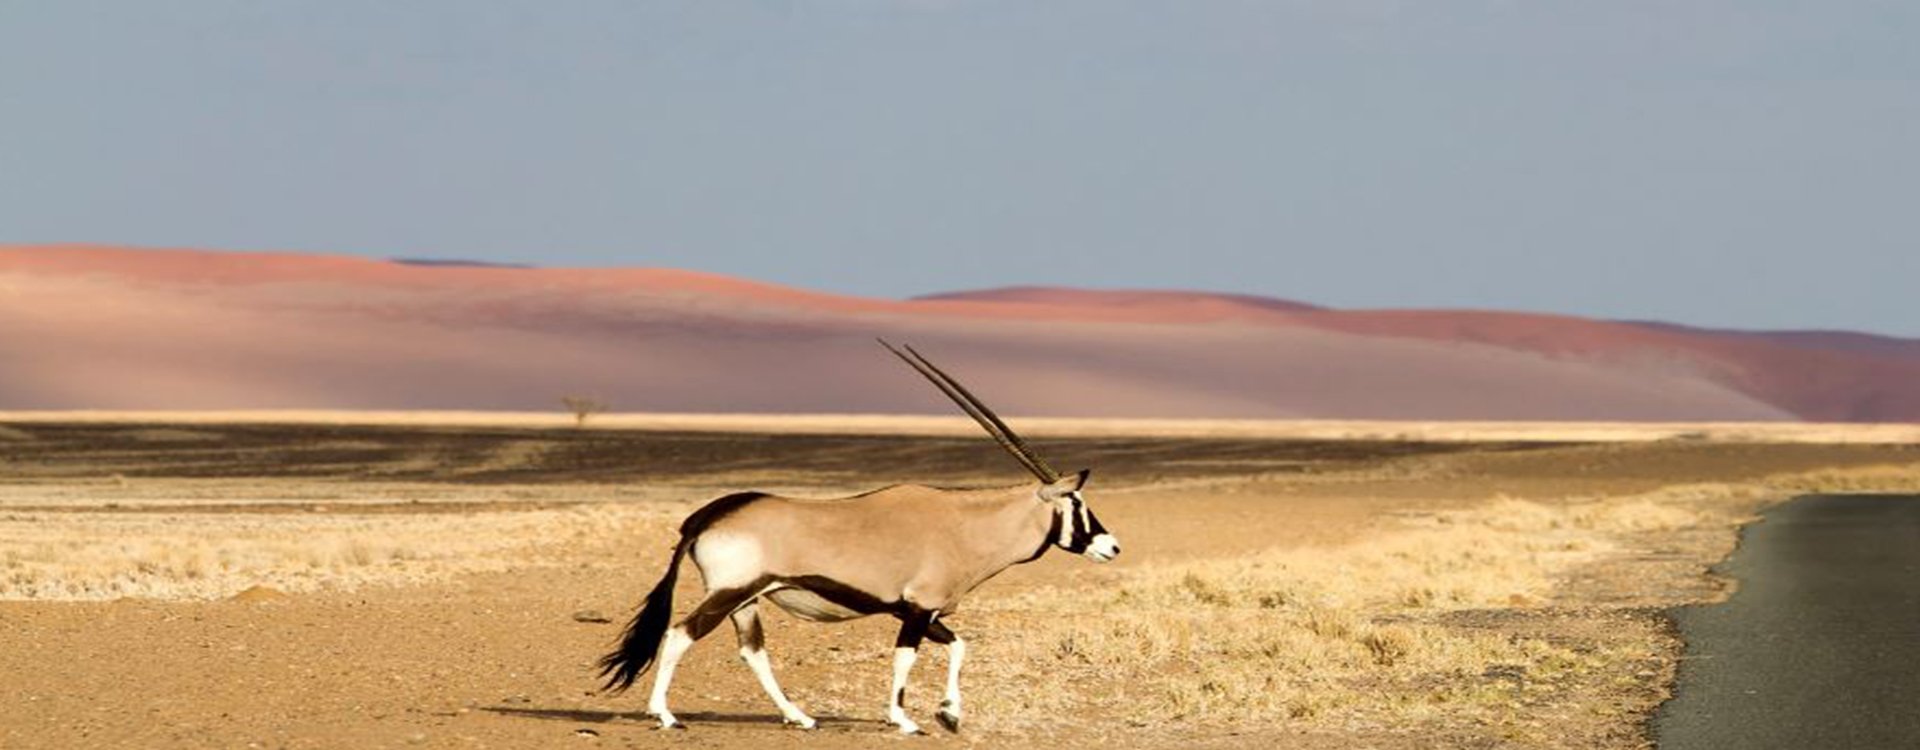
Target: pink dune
110, 327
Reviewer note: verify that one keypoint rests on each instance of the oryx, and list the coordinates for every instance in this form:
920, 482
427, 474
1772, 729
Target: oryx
907, 551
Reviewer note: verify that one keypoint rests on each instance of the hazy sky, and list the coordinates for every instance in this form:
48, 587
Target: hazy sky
1752, 164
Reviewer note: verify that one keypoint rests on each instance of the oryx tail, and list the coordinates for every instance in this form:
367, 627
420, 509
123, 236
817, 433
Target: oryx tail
641, 641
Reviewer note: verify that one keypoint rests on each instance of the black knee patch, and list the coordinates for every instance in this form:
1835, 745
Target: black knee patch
752, 637
914, 626
938, 633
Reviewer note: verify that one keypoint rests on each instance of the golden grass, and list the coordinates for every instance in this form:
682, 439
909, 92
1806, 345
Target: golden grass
1360, 635
95, 556
1310, 635
882, 424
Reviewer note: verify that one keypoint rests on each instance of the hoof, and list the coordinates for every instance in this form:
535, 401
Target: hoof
672, 724
949, 722
804, 723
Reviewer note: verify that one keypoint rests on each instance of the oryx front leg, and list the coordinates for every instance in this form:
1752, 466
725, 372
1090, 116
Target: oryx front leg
753, 651
949, 714
913, 627
717, 606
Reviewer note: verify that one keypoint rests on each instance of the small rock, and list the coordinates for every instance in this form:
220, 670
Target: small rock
516, 699
590, 615
585, 732
258, 594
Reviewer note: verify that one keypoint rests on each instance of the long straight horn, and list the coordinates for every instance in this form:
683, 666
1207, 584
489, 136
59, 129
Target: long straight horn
968, 403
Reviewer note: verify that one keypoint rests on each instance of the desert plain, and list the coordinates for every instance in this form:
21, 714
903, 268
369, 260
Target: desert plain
318, 580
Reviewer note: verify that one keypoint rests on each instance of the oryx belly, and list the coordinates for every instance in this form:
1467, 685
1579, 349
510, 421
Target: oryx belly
808, 605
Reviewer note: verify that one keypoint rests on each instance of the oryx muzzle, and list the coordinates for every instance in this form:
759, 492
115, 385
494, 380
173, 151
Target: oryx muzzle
908, 551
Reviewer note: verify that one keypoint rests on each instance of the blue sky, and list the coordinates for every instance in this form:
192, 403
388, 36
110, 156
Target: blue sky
1747, 164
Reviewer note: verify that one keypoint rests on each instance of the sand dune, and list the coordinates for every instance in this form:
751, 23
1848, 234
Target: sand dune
120, 328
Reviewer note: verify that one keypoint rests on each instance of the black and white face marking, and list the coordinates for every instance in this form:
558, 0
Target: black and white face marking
1081, 533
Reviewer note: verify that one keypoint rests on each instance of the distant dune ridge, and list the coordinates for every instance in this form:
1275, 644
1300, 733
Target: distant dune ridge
123, 328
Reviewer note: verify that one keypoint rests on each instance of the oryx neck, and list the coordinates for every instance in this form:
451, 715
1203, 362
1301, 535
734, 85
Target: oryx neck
1019, 525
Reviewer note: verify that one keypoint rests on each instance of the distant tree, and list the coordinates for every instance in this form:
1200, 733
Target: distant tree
583, 407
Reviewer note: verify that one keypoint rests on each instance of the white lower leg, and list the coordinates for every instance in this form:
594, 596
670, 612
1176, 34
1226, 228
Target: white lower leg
950, 706
673, 647
762, 667
903, 658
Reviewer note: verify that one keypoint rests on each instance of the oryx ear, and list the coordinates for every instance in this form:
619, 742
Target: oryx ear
1064, 485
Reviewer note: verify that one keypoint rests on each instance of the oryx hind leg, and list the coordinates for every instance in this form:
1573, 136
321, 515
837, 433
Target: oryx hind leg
949, 714
913, 628
712, 611
753, 651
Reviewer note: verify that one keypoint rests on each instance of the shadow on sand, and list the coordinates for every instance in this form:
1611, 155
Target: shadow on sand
693, 719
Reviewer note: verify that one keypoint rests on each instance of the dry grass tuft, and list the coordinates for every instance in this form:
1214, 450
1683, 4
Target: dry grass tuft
1391, 643
1885, 478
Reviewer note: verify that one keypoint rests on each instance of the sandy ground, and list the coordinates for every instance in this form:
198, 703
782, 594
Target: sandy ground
335, 585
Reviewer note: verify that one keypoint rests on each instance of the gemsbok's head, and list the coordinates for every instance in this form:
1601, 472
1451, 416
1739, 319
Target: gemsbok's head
1076, 529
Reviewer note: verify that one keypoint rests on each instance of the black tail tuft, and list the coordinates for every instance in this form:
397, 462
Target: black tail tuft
641, 641
642, 638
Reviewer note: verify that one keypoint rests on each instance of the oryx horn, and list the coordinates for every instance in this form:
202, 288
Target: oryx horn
968, 403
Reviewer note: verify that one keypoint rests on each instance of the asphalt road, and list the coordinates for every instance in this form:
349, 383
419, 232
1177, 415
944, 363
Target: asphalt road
1820, 645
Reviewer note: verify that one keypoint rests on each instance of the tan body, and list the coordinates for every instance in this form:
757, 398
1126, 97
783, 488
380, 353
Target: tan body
930, 546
